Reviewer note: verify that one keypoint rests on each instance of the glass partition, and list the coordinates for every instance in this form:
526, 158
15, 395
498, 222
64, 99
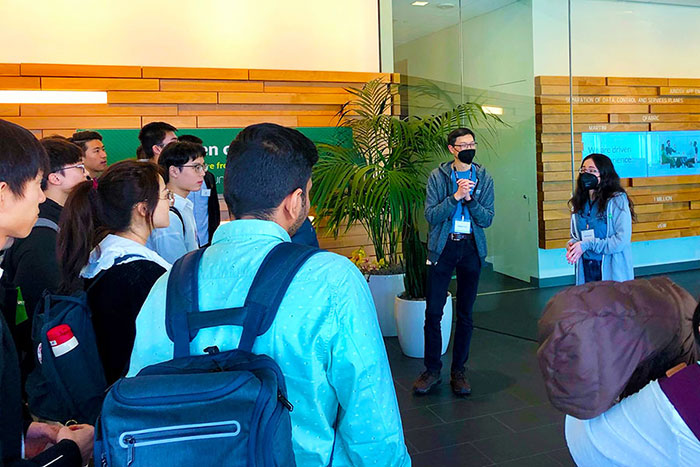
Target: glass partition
481, 52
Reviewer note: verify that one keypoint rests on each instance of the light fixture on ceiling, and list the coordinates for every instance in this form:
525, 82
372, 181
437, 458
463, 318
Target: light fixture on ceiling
493, 110
53, 97
418, 3
446, 6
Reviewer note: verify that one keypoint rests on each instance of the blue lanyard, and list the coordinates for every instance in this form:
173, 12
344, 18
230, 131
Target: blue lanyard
455, 178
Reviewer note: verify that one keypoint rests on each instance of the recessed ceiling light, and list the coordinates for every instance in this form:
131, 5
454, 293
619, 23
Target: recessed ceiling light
417, 3
53, 97
446, 6
493, 110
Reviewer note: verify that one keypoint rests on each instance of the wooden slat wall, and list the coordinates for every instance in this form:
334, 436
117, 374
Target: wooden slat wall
667, 207
186, 98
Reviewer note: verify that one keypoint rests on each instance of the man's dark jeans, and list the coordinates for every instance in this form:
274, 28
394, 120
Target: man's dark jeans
463, 256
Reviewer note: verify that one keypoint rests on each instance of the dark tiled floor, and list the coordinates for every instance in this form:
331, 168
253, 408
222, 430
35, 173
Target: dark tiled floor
507, 421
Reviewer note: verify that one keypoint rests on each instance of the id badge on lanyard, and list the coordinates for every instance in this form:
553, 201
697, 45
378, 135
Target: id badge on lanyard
463, 227
588, 234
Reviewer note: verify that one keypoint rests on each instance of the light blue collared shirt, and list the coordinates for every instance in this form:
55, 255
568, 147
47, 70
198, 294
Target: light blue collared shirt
200, 202
325, 338
169, 242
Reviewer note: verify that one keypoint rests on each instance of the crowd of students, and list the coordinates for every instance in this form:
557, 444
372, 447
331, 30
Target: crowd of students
70, 223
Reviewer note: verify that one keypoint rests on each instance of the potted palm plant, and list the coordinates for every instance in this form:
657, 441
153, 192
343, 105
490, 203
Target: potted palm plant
369, 180
377, 179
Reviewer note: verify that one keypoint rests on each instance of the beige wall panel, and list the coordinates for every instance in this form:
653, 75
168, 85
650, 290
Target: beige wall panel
281, 98
210, 85
578, 118
98, 84
19, 83
105, 71
637, 81
596, 108
63, 110
178, 122
162, 97
194, 73
593, 127
214, 121
675, 126
654, 118
251, 109
545, 90
9, 110
40, 123
292, 75
564, 80
9, 69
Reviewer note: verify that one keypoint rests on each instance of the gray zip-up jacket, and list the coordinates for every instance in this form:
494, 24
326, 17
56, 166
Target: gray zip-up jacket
440, 206
616, 249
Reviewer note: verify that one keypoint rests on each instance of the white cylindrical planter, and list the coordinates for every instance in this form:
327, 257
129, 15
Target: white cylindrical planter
410, 319
384, 288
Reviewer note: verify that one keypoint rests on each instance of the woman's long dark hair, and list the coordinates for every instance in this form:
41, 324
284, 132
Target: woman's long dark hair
608, 186
95, 210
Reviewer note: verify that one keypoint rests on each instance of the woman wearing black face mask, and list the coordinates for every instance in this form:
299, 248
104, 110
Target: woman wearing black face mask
601, 224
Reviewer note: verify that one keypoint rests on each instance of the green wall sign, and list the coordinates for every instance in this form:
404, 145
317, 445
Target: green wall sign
122, 144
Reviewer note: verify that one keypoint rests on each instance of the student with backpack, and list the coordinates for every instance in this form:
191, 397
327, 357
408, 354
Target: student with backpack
102, 245
23, 442
330, 363
30, 266
183, 171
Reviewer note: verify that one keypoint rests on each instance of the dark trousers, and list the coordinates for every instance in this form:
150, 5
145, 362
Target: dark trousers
463, 256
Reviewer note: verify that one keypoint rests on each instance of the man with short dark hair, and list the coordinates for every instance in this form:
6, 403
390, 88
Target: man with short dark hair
154, 137
325, 337
183, 172
95, 154
458, 207
30, 265
207, 212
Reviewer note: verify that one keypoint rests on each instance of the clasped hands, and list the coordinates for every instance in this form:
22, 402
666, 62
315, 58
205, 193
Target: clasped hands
464, 189
573, 251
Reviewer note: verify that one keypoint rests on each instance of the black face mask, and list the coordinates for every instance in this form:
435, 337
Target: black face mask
466, 155
588, 181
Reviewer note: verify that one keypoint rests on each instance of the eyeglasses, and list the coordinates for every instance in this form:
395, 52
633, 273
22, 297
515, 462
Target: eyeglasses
76, 166
199, 168
169, 196
471, 145
590, 170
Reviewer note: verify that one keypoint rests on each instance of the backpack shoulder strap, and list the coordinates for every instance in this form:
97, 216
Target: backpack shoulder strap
174, 210
184, 318
44, 222
269, 288
182, 299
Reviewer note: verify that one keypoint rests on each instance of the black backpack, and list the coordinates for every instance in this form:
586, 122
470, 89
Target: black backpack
225, 408
68, 380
